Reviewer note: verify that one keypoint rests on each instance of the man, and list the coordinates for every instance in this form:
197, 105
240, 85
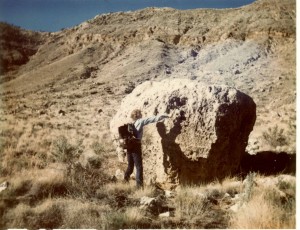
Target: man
134, 154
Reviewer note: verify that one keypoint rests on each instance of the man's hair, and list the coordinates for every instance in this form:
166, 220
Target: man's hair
135, 114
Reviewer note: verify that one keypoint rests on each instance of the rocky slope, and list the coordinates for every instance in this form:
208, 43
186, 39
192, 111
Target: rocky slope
74, 81
17, 45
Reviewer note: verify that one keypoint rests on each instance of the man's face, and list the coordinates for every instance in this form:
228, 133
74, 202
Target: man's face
140, 115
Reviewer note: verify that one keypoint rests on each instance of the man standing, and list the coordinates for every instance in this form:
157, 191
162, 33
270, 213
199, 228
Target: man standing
134, 154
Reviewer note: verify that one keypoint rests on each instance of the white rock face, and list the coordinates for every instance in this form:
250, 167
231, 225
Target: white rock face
205, 137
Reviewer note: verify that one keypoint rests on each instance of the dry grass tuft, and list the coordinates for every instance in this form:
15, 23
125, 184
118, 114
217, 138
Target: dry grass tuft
46, 215
148, 191
272, 205
190, 203
133, 217
261, 213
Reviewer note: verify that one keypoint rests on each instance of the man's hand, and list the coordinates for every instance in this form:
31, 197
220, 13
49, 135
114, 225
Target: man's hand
164, 116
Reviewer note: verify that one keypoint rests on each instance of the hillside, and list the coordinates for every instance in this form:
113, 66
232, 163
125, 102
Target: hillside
70, 83
16, 45
93, 65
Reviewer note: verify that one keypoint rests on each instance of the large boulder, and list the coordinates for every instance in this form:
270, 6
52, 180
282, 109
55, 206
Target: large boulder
205, 136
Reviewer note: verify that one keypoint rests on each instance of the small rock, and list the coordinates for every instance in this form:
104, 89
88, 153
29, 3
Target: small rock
236, 197
119, 174
147, 201
121, 153
226, 195
194, 53
165, 214
237, 72
113, 179
235, 207
3, 186
61, 112
169, 193
42, 112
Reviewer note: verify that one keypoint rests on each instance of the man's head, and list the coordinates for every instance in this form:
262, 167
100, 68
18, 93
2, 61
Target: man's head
136, 114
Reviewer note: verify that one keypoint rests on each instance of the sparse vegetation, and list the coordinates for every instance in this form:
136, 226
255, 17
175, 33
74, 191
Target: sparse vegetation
98, 148
65, 152
191, 204
51, 116
275, 137
267, 208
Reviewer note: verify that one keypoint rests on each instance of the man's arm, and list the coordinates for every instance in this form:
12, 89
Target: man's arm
153, 119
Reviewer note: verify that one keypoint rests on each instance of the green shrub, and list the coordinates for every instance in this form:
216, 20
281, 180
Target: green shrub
65, 152
98, 148
275, 137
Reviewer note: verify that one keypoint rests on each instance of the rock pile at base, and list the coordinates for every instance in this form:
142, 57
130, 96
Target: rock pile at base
205, 136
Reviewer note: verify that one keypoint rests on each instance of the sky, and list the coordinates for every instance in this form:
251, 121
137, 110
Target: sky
54, 15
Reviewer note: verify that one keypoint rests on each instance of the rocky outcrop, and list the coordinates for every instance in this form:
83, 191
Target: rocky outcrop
205, 136
17, 46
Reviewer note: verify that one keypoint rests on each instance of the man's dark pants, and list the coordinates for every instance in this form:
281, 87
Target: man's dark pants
134, 158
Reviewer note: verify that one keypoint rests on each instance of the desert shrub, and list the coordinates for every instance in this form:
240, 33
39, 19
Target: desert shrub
286, 184
275, 137
98, 148
65, 152
84, 182
81, 181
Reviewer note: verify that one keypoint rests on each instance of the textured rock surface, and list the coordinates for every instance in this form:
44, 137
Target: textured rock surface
205, 136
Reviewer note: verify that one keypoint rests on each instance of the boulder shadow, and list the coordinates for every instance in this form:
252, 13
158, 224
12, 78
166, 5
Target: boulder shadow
172, 152
268, 163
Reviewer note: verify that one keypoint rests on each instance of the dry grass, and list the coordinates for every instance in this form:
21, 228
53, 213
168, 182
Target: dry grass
46, 215
58, 213
116, 205
148, 191
272, 205
47, 192
261, 213
133, 217
190, 203
38, 184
